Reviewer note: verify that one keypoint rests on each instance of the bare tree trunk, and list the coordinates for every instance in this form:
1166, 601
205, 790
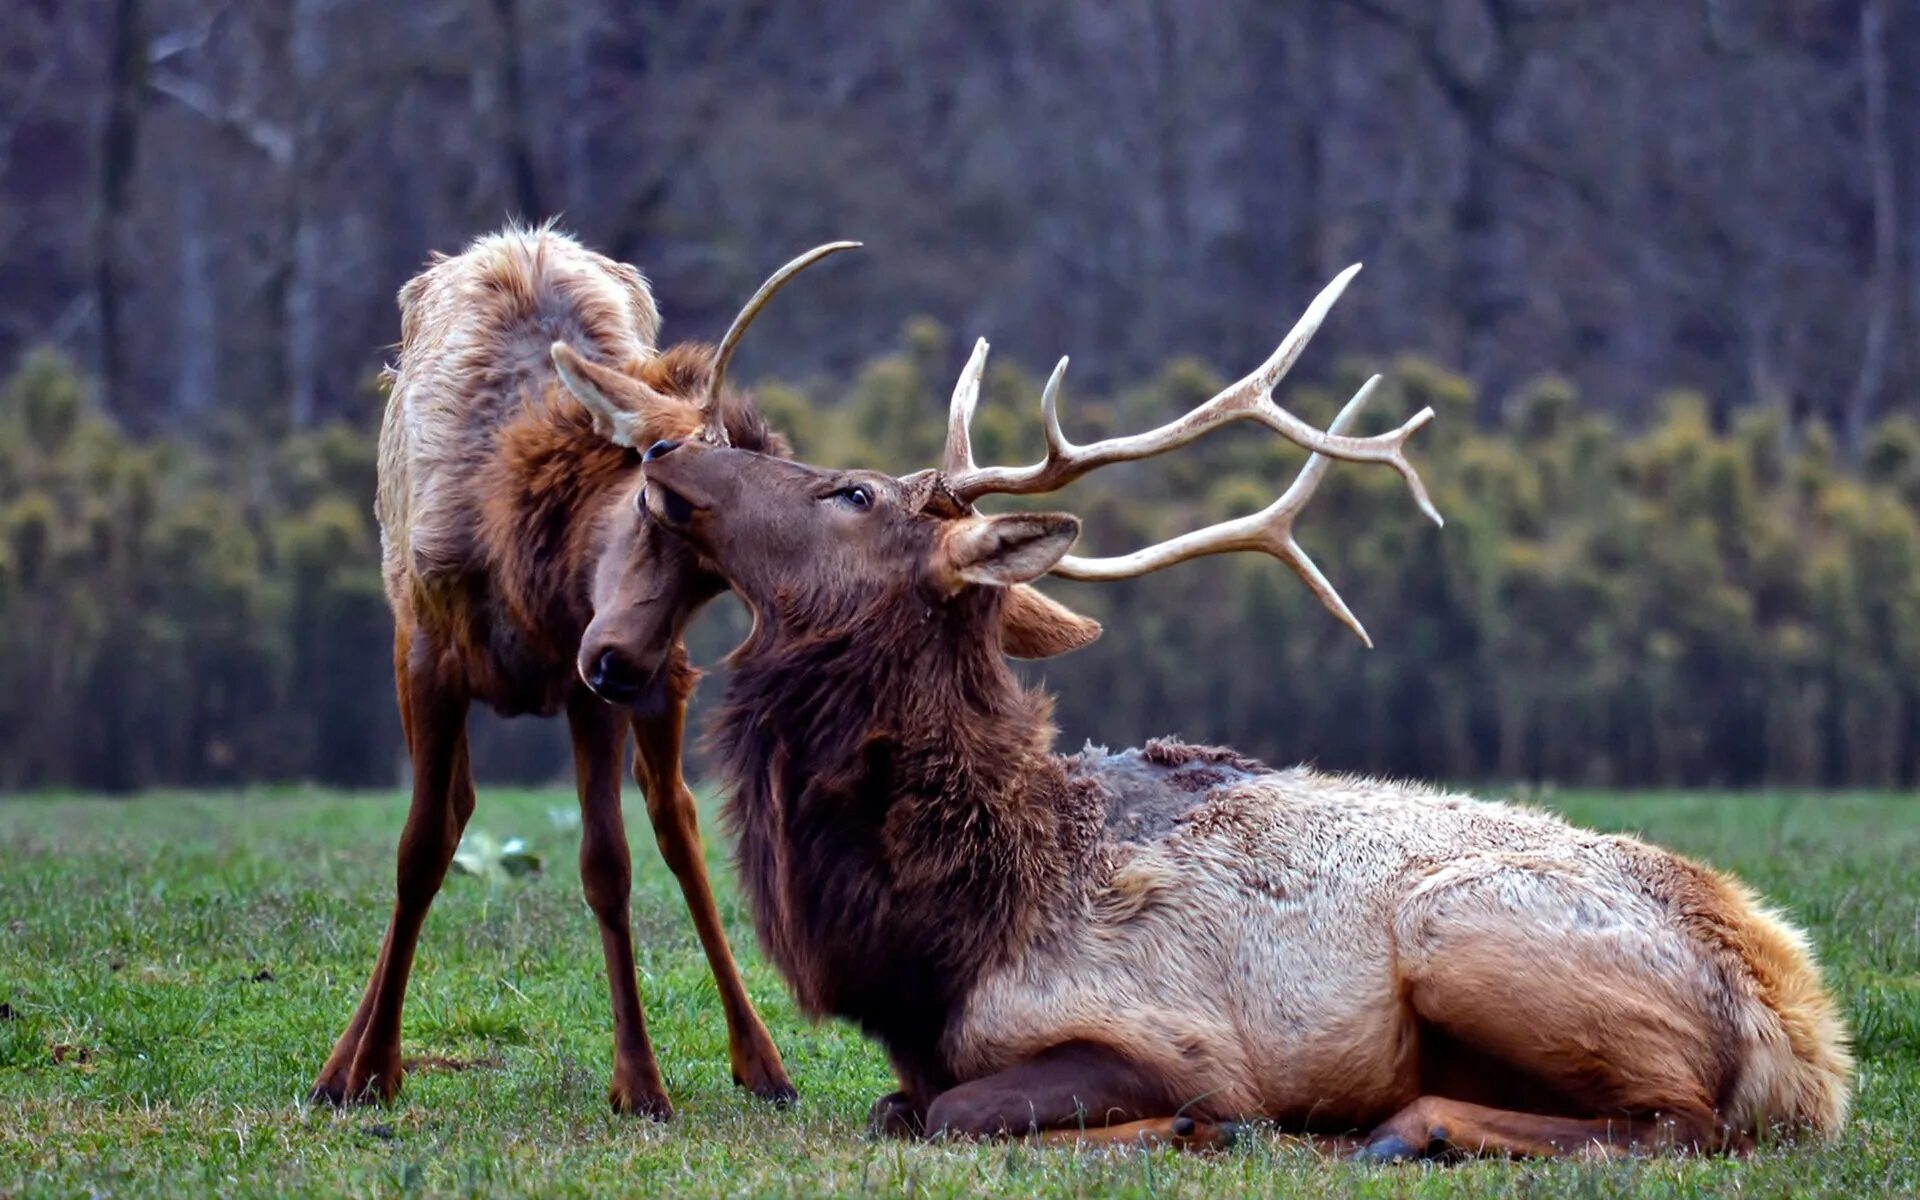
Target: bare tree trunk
119, 149
1479, 93
1880, 287
1312, 61
197, 316
500, 103
576, 158
1167, 123
1281, 170
1475, 271
303, 329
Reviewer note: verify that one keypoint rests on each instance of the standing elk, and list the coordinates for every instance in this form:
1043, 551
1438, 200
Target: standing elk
1169, 940
522, 574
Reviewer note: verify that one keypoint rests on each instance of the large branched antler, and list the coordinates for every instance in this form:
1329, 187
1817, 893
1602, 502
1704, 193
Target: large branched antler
1269, 531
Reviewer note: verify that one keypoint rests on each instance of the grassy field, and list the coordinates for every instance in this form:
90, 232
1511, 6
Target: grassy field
173, 970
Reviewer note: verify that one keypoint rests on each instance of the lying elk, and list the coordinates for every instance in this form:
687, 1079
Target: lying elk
1171, 939
522, 574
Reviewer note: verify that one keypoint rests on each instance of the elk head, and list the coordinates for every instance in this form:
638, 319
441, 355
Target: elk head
646, 583
811, 549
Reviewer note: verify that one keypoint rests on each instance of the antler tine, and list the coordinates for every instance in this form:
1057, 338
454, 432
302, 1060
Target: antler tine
710, 404
1269, 531
1057, 443
966, 395
1249, 399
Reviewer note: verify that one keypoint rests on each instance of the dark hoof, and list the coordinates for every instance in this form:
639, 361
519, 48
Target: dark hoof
780, 1095
778, 1092
768, 1083
893, 1116
1183, 1127
1229, 1132
345, 1095
653, 1106
1389, 1149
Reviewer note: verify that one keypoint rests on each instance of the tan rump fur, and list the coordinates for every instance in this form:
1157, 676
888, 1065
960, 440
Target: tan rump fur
1294, 945
1812, 1084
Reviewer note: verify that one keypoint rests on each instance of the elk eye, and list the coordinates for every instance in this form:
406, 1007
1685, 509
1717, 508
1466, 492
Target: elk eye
859, 496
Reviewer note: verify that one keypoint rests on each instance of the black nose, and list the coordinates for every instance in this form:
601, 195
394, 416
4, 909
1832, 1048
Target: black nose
615, 678
660, 449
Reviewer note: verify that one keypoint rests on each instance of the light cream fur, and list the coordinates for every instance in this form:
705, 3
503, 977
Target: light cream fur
476, 331
1281, 951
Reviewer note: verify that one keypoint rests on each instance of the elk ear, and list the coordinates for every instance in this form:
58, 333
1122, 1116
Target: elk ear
1003, 551
621, 406
1035, 626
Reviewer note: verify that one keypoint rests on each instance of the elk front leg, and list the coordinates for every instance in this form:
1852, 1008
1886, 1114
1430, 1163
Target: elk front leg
606, 875
676, 826
1074, 1092
365, 1063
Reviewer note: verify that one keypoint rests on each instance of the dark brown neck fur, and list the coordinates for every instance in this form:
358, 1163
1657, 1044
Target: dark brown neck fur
901, 823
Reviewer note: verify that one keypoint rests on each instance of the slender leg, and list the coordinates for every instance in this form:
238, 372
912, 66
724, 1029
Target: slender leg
676, 826
606, 875
331, 1085
1434, 1126
1076, 1091
365, 1064
1181, 1133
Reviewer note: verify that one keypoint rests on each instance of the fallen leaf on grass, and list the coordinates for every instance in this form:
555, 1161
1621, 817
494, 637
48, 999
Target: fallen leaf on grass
68, 1052
442, 1062
481, 856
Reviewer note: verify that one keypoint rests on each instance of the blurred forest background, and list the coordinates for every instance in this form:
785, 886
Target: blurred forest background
1656, 262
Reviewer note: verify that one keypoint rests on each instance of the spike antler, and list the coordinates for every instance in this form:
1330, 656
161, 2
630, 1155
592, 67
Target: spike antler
715, 427
1269, 531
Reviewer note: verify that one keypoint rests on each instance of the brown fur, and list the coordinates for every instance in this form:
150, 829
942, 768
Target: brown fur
503, 512
857, 844
1315, 950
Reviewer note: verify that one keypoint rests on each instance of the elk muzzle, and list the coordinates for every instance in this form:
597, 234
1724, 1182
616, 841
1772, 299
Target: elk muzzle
615, 675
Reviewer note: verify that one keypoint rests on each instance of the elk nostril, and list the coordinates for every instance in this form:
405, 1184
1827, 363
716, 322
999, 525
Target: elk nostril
613, 676
660, 449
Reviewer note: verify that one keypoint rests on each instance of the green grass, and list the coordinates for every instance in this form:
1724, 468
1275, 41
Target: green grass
194, 956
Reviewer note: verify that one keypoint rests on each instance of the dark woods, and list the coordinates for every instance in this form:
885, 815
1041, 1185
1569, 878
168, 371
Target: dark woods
1694, 561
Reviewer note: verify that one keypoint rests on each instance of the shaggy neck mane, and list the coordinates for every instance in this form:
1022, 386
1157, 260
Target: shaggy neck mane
556, 481
554, 478
900, 822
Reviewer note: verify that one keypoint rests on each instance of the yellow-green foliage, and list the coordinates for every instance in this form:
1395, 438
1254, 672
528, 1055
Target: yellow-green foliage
1676, 603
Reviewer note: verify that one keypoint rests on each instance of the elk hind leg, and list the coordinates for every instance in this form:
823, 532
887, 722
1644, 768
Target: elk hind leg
443, 801
1439, 1126
1571, 1019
